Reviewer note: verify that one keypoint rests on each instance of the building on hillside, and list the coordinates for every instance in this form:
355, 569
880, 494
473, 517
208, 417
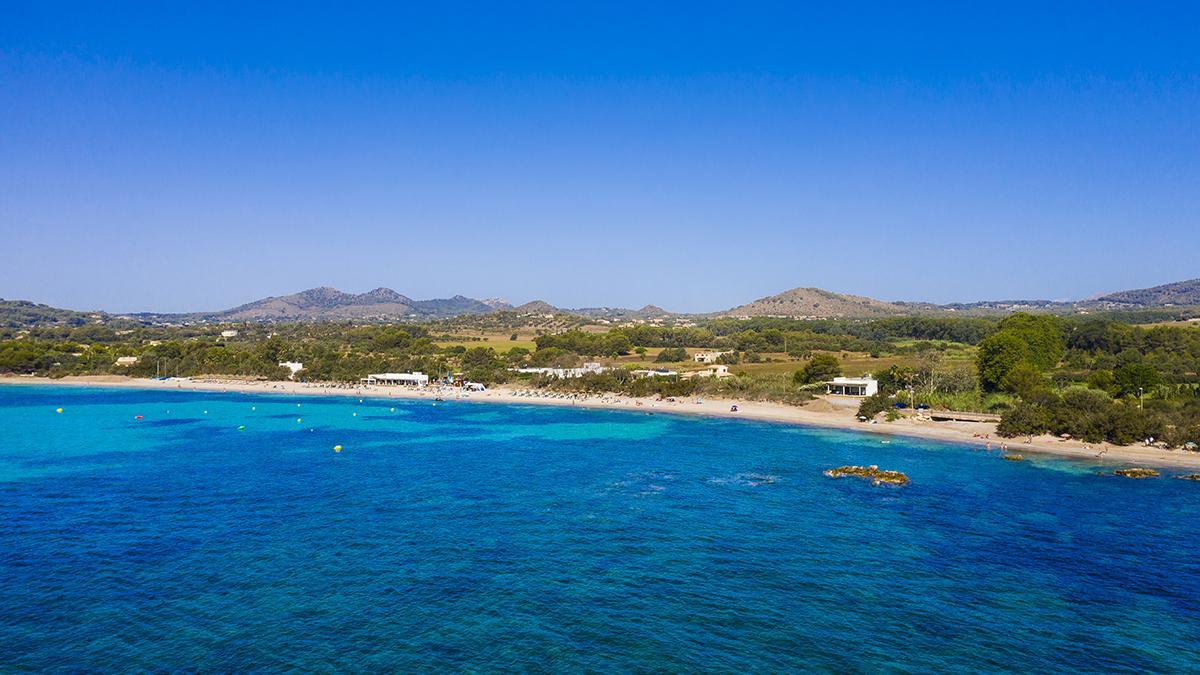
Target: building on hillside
417, 379
229, 333
126, 361
294, 366
852, 386
708, 357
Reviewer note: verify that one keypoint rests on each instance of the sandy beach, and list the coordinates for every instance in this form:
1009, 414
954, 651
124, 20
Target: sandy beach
823, 412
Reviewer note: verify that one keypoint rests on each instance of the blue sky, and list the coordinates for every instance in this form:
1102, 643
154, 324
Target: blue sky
690, 155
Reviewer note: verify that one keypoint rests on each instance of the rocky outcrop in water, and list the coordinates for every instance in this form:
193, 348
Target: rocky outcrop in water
1136, 473
871, 473
1013, 457
1189, 476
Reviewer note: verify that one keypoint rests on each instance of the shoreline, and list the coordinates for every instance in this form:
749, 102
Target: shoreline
819, 413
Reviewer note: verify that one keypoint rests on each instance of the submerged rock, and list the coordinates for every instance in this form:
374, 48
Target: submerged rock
871, 473
1013, 457
1136, 473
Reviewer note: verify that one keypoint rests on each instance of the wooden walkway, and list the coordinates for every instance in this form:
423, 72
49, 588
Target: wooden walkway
958, 416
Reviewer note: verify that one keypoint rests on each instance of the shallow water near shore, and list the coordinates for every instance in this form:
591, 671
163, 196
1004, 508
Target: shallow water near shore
222, 532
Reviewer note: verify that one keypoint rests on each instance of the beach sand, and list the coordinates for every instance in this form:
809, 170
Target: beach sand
832, 412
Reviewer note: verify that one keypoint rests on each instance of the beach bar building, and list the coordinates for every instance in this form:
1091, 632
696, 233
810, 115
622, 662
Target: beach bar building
852, 386
417, 379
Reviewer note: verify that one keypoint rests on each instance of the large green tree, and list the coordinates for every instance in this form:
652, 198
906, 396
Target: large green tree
998, 355
1132, 377
1042, 334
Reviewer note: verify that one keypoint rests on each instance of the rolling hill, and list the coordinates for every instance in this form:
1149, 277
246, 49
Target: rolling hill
22, 313
816, 303
1178, 293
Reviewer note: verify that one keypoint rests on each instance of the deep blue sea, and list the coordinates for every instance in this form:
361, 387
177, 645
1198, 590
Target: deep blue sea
221, 532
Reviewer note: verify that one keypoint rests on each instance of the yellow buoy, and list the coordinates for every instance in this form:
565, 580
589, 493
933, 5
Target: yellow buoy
297, 420
356, 414
337, 448
58, 410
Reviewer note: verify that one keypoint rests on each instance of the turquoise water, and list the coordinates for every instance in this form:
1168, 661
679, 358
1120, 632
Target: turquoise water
471, 536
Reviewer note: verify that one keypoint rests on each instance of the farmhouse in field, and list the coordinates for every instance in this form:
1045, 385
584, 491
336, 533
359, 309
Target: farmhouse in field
852, 386
708, 357
717, 371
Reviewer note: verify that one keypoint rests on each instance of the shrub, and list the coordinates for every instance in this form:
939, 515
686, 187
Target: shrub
1024, 419
875, 404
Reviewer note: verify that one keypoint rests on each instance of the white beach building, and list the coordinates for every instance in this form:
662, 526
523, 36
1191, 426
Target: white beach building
563, 373
126, 360
417, 379
852, 386
657, 372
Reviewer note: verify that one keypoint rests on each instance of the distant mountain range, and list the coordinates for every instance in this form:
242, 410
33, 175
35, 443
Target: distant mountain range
385, 304
330, 304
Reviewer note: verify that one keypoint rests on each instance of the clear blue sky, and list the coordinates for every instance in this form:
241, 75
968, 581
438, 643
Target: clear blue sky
692, 155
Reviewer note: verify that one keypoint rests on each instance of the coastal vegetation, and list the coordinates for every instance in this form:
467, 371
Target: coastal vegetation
1098, 378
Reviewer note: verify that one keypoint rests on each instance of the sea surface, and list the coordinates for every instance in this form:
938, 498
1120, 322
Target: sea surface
222, 532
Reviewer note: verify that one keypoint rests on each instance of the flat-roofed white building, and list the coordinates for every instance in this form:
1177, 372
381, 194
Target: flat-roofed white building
852, 386
562, 373
656, 372
708, 357
717, 371
126, 360
417, 379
